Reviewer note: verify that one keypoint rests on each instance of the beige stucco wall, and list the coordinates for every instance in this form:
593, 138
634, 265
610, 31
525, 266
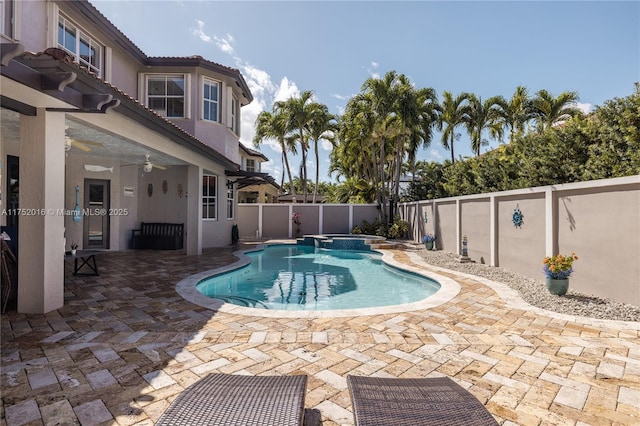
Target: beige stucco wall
598, 220
248, 220
476, 226
522, 249
275, 220
335, 219
446, 227
603, 229
363, 212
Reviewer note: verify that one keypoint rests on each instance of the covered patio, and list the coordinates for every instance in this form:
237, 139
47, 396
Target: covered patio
125, 344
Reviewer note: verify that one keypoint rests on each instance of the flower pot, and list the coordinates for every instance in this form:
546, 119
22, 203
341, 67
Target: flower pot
557, 286
73, 252
429, 245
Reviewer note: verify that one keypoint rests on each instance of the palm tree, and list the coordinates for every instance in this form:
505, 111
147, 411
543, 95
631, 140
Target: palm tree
483, 116
418, 110
517, 112
273, 125
549, 110
453, 114
299, 112
323, 125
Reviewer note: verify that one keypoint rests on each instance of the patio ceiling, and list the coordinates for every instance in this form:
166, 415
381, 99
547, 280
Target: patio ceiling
99, 142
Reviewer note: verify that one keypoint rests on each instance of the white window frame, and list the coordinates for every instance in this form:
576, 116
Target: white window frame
253, 166
208, 199
211, 82
184, 97
81, 35
235, 115
231, 198
9, 33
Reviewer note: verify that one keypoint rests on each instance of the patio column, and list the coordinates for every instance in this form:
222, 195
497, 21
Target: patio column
194, 210
41, 226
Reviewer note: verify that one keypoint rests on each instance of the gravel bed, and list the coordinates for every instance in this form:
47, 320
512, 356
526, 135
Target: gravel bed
535, 293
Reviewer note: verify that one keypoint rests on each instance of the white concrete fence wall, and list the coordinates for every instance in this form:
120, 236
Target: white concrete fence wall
598, 220
264, 221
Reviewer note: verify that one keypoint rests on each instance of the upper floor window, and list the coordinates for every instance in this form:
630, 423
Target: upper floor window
251, 165
7, 18
209, 197
235, 115
85, 49
211, 100
166, 95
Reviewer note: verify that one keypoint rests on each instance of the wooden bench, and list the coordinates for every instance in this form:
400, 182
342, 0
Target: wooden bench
158, 236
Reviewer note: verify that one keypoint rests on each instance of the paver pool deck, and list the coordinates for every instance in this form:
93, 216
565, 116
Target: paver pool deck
125, 344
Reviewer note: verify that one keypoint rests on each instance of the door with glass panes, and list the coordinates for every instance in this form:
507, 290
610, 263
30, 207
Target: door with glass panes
96, 217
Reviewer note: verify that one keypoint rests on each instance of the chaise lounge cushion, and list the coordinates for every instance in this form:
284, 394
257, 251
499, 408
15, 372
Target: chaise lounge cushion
228, 399
414, 402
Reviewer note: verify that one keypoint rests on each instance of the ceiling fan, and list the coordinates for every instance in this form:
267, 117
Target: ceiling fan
80, 144
148, 165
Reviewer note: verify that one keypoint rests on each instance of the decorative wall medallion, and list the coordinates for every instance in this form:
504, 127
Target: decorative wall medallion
180, 192
165, 186
150, 189
517, 218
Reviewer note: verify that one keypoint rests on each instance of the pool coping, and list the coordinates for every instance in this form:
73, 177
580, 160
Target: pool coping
186, 288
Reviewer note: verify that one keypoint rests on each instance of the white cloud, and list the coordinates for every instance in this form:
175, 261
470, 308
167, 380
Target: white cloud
286, 90
586, 108
373, 69
434, 155
325, 145
224, 43
199, 32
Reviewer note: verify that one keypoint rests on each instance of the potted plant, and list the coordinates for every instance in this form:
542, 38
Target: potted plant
429, 241
558, 269
74, 247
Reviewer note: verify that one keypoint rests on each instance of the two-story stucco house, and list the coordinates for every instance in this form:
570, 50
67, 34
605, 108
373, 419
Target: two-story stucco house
91, 121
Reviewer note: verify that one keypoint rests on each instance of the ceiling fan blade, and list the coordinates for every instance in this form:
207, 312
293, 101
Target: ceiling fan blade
81, 146
158, 166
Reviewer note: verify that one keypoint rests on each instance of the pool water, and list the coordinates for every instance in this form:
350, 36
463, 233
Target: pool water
296, 277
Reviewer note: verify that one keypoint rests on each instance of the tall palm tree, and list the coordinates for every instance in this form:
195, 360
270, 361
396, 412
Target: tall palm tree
323, 125
418, 110
273, 125
299, 112
516, 112
549, 110
453, 114
483, 116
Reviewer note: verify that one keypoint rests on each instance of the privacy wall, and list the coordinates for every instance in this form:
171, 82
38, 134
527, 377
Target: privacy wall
275, 220
598, 220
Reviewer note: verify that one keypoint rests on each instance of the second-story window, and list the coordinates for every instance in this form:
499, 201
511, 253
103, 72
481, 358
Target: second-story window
251, 165
165, 95
235, 115
84, 48
211, 100
7, 18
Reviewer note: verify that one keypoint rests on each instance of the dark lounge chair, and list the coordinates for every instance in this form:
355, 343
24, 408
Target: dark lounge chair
228, 399
414, 402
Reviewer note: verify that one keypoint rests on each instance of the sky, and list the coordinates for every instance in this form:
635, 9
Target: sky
331, 47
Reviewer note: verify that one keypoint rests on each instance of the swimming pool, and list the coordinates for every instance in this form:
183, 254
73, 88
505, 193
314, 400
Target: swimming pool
299, 278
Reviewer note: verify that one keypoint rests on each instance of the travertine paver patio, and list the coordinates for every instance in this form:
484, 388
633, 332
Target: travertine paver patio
125, 344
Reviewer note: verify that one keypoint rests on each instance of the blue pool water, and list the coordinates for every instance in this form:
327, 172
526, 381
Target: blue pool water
297, 277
